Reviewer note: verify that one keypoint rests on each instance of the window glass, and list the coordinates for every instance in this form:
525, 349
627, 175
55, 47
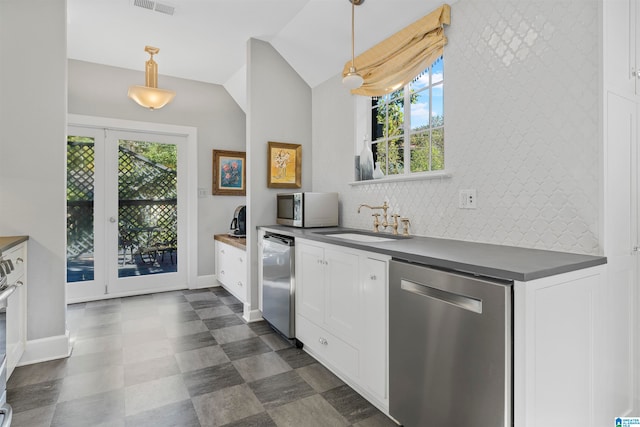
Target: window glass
420, 152
420, 110
411, 120
437, 105
437, 71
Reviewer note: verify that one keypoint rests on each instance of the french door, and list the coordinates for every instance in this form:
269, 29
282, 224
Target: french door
126, 212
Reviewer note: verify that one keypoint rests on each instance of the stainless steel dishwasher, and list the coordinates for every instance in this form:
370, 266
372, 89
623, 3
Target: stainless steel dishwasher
278, 283
450, 348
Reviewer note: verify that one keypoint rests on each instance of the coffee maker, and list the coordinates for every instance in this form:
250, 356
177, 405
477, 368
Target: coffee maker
238, 227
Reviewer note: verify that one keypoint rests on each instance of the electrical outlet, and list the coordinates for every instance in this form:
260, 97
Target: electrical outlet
202, 192
468, 199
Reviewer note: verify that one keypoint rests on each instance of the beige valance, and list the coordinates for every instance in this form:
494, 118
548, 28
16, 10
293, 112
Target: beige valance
394, 62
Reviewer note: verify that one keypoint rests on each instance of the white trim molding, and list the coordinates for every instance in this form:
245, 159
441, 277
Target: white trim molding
190, 133
208, 281
251, 315
45, 349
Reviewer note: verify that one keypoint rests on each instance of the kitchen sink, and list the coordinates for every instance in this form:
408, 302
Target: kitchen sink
361, 237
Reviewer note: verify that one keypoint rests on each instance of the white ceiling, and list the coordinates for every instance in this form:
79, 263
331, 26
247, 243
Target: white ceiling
205, 40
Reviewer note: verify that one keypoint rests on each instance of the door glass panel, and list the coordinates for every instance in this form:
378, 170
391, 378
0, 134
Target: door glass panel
147, 208
80, 208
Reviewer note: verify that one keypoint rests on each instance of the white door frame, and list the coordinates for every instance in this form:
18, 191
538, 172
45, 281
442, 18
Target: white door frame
191, 135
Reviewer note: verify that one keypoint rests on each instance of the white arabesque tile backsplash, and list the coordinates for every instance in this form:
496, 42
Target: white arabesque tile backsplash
521, 116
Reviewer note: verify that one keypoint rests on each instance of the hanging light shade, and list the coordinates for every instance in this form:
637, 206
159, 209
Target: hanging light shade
353, 80
149, 96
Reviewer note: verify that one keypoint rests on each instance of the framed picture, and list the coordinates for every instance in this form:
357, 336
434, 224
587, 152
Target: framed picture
284, 165
229, 173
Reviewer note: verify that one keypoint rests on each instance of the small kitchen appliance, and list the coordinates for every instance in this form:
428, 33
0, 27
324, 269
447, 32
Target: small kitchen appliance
238, 227
307, 209
278, 284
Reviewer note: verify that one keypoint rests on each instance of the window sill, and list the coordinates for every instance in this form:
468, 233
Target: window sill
400, 178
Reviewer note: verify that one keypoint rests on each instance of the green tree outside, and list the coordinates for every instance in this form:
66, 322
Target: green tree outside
426, 143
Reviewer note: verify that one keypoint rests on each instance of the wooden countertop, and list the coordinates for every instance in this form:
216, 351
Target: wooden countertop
238, 242
7, 242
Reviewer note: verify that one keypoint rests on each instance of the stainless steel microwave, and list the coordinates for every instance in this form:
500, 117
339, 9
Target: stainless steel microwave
306, 209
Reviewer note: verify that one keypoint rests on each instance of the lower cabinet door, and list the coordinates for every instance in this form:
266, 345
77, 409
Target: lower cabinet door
373, 347
16, 328
342, 295
231, 269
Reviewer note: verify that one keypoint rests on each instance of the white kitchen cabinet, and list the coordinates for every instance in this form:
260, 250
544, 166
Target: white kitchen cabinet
330, 294
621, 46
618, 382
16, 306
331, 290
558, 351
342, 295
310, 278
325, 346
374, 347
341, 314
231, 269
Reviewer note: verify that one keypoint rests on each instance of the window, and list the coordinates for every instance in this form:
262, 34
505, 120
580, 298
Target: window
407, 126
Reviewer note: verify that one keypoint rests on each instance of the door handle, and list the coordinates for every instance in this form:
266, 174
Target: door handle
462, 301
7, 411
112, 220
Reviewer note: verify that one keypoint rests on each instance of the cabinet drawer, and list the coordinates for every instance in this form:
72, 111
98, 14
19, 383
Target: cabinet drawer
231, 269
326, 346
17, 257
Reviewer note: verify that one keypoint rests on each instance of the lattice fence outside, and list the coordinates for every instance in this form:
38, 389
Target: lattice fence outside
147, 199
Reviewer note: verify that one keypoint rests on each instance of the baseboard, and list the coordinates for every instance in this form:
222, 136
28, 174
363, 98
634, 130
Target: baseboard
208, 281
124, 294
45, 349
251, 315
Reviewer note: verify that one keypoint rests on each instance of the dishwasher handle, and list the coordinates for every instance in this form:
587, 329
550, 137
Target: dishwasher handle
461, 301
278, 239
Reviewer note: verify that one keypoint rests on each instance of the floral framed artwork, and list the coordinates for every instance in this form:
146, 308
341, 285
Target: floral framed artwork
284, 165
229, 173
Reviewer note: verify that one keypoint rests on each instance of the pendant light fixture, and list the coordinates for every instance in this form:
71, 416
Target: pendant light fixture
353, 80
149, 96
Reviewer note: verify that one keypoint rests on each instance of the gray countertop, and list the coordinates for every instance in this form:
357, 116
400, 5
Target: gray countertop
503, 262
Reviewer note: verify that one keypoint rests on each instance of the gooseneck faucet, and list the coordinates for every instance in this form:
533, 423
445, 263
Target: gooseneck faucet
384, 208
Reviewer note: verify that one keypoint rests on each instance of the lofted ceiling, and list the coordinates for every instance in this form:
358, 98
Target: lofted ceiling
206, 40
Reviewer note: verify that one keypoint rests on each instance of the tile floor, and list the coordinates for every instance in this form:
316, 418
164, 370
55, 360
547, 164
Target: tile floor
183, 358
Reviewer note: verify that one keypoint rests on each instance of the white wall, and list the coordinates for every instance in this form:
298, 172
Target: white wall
278, 110
33, 110
521, 120
99, 90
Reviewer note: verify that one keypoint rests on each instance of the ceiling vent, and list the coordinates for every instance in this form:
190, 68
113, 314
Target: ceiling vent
155, 5
164, 8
